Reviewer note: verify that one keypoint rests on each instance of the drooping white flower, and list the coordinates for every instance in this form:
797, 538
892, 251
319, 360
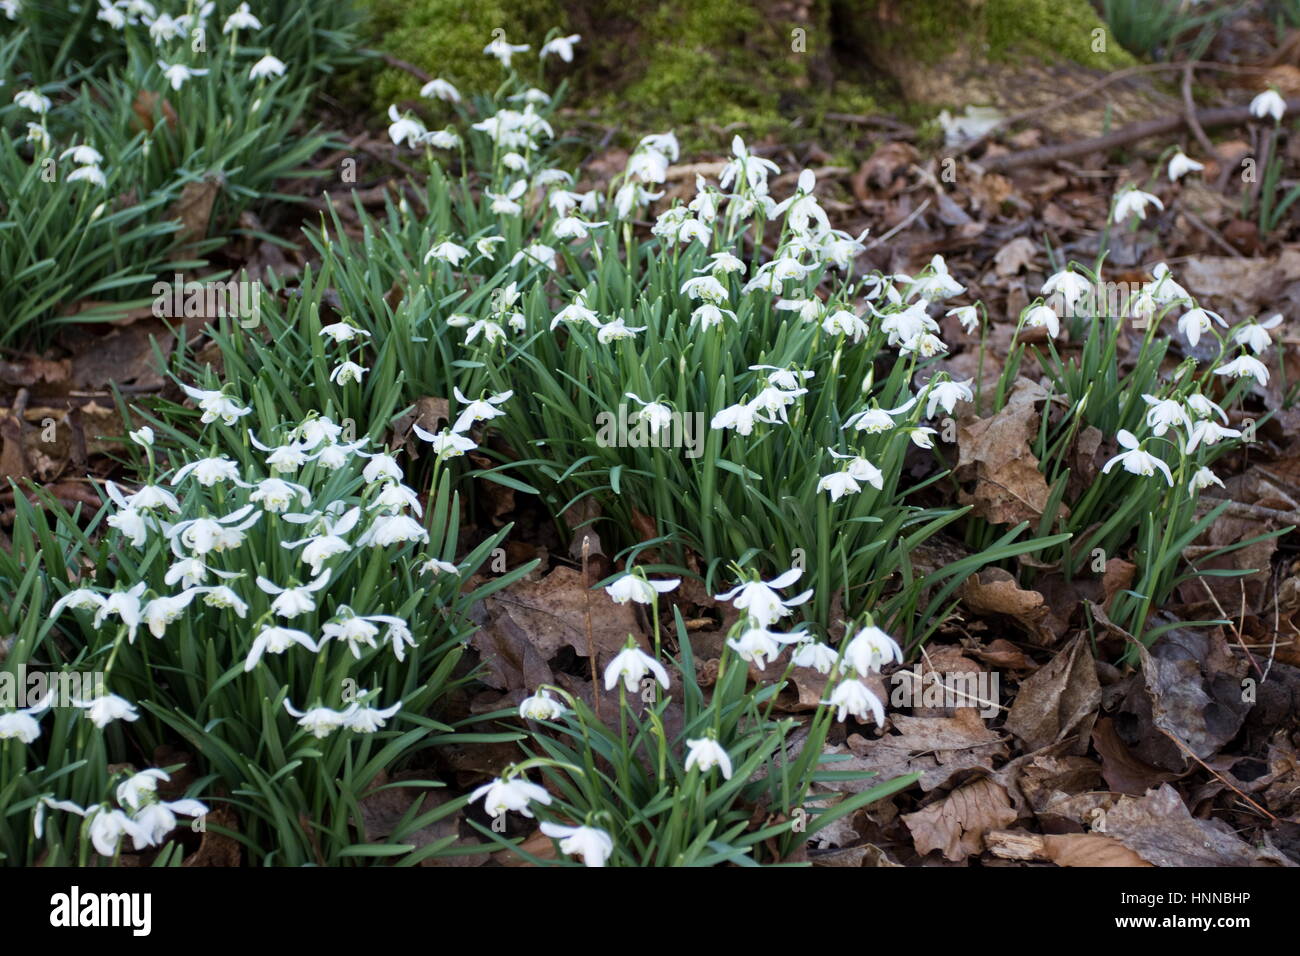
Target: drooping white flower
107, 827
346, 372
162, 611
440, 89
937, 283
178, 73
592, 844
1203, 479
1180, 164
32, 100
21, 724
947, 394
560, 46
633, 587
103, 710
1136, 461
706, 753
854, 697
968, 316
136, 789
447, 251
630, 665
504, 50
341, 332
403, 128
241, 19
387, 530
267, 66
1208, 432
1196, 322
1268, 103
125, 605
1242, 366
1132, 201
870, 650
157, 819
1165, 413
541, 706
1254, 335
1069, 286
83, 155
479, 409
1204, 408
820, 657
1045, 317
760, 646
319, 721
760, 600
216, 404
293, 601
367, 720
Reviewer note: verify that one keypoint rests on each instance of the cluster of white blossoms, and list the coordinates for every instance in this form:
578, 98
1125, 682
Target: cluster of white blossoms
141, 814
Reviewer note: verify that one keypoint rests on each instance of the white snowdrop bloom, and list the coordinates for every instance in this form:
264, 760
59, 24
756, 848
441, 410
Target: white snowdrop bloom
368, 720
1180, 164
479, 409
632, 195
648, 165
741, 417
1165, 413
404, 129
1132, 201
1163, 289
706, 288
162, 611
870, 650
81, 599
1208, 432
137, 789
926, 345
1202, 407
560, 46
506, 203
341, 332
398, 635
571, 227
617, 331
38, 134
537, 253
861, 470
872, 421
746, 168
209, 471
103, 710
107, 827
561, 201
1268, 104
191, 572
487, 246
446, 444
839, 249
541, 706
394, 496
125, 605
387, 530
223, 598
1136, 461
903, 326
591, 843
267, 66
146, 498
968, 316
438, 566
111, 14
83, 155
89, 174
504, 50
21, 724
724, 263
33, 101
276, 495
319, 721
334, 456
816, 655
440, 89
178, 73
241, 19
1254, 335
802, 209
759, 646
854, 697
1043, 317
165, 28
283, 459
293, 601
655, 414
158, 819
706, 753
445, 139
577, 311
1202, 480
346, 372
785, 378
946, 395
546, 178
630, 665
633, 587
514, 162
203, 535
1196, 322
709, 315
216, 404
381, 466
447, 251
808, 310
938, 284
515, 793
132, 524
1242, 366
1069, 286
839, 484
760, 600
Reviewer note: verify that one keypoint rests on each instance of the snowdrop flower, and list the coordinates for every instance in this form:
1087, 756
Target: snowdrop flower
111, 15
107, 827
135, 790
445, 139
820, 657
142, 436
1242, 366
292, 601
487, 246
447, 251
616, 330
83, 155
846, 323
903, 326
191, 572
1069, 286
874, 420
1043, 317
1136, 461
514, 793
802, 208
968, 316
541, 706
506, 204
706, 288
1195, 322
404, 129
446, 444
759, 646
592, 844
341, 332
165, 28
839, 484
440, 89
1254, 335
1208, 432
1164, 289
437, 566
633, 587
1180, 164
346, 372
854, 697
328, 542
938, 284
570, 227
706, 753
741, 417
632, 195
503, 50
709, 315
241, 19
1132, 201
479, 409
394, 496
320, 721
124, 604
760, 600
1204, 408
267, 66
158, 819
276, 495
82, 599
947, 394
870, 650
224, 598
561, 47
103, 710
162, 611
491, 331
630, 665
746, 167
577, 311
21, 725
1202, 480
216, 404
926, 345
202, 535
536, 253
89, 174
33, 101
208, 471
1165, 413
387, 530
368, 720
1268, 103
177, 73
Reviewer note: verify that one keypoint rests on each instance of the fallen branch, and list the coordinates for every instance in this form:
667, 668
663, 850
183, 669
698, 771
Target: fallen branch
1207, 118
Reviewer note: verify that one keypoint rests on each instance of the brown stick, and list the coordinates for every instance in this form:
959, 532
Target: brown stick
1208, 118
